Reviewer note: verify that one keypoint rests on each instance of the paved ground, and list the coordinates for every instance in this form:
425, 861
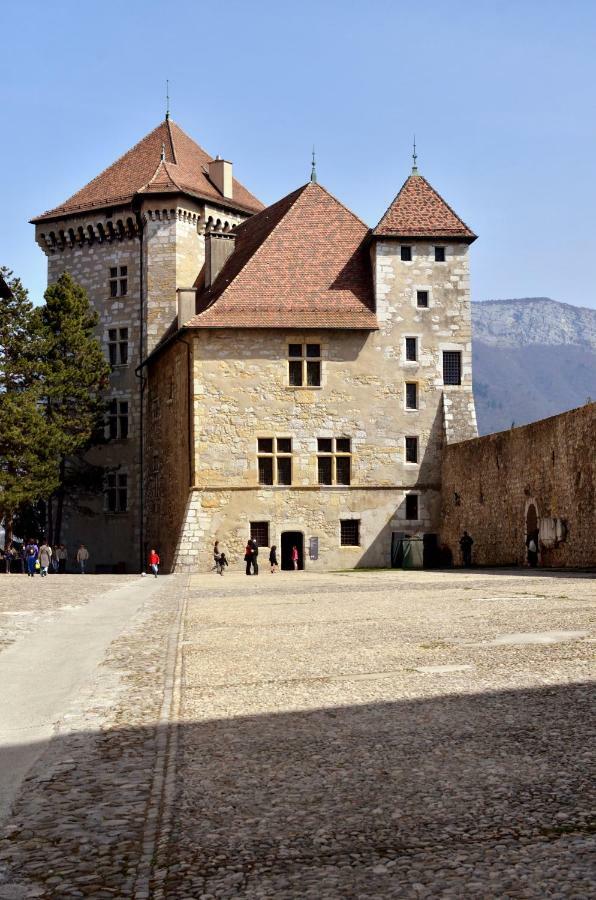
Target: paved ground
365, 735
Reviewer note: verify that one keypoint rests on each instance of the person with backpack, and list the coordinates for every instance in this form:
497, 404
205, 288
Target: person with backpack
31, 555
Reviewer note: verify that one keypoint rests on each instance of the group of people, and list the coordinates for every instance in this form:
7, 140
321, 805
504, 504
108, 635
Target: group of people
251, 558
40, 558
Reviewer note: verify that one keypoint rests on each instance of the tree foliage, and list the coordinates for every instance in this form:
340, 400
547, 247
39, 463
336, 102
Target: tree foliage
52, 375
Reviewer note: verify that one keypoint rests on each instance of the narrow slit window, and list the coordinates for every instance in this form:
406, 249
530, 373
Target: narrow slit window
411, 349
406, 253
412, 507
411, 449
411, 395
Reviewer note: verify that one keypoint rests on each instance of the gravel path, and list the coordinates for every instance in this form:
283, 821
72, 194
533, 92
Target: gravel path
357, 735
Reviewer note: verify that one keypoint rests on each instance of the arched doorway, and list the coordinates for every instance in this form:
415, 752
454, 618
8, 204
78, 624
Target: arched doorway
531, 519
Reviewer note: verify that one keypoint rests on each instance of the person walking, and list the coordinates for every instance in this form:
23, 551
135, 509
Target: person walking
31, 554
465, 544
295, 557
255, 556
532, 546
61, 556
154, 562
223, 562
273, 559
82, 557
45, 558
216, 557
248, 557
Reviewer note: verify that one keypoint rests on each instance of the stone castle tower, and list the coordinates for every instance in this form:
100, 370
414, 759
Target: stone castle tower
287, 372
134, 237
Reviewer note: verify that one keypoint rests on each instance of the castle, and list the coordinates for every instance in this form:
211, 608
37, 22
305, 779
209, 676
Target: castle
286, 372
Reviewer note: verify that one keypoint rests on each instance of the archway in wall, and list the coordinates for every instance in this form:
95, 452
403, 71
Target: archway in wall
531, 519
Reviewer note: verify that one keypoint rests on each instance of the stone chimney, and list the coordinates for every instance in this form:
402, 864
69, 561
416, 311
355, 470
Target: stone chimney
220, 173
218, 247
187, 304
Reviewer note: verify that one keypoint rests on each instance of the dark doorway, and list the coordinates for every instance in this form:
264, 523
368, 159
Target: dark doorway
289, 540
531, 520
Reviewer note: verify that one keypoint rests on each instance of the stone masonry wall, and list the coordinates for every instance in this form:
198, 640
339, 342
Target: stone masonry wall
490, 482
112, 538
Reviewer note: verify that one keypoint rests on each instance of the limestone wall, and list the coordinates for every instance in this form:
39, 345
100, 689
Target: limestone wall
490, 483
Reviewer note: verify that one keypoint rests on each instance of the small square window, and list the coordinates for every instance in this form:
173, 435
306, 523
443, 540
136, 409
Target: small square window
411, 395
350, 532
451, 367
324, 445
284, 470
325, 469
411, 349
265, 445
259, 532
284, 445
406, 253
265, 470
412, 449
343, 445
295, 350
313, 350
123, 271
439, 254
412, 507
422, 299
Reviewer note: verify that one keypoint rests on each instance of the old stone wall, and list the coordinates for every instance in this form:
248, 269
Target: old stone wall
168, 454
112, 538
491, 484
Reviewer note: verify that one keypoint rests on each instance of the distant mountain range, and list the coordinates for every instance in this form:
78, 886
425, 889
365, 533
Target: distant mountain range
533, 358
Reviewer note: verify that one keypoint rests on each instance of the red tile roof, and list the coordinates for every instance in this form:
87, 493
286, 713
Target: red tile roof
140, 171
301, 263
419, 211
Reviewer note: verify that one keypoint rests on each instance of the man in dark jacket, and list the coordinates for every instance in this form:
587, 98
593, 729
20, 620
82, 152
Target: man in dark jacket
255, 556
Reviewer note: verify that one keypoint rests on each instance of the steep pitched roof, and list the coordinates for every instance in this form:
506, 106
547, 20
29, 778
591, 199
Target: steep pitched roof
301, 263
419, 211
141, 170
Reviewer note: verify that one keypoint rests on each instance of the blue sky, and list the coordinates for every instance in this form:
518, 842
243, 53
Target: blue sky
499, 94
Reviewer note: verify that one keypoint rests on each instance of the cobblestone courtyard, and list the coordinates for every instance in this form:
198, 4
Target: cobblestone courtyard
363, 734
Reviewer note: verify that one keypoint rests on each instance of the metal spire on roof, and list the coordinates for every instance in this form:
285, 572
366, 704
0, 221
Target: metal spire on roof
414, 158
313, 171
167, 99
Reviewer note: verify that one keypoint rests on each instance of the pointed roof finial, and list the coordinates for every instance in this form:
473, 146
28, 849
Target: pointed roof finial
414, 159
163, 152
313, 171
167, 99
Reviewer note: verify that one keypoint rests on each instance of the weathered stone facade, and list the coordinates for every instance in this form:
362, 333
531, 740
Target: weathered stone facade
496, 487
240, 392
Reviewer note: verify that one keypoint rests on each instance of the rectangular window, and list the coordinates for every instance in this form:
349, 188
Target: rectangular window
304, 365
118, 346
350, 532
451, 367
116, 492
334, 460
411, 349
412, 449
274, 456
118, 420
118, 286
411, 395
439, 254
422, 299
259, 532
406, 253
412, 507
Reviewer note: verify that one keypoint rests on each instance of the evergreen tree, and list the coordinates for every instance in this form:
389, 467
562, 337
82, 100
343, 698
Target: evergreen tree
28, 468
74, 373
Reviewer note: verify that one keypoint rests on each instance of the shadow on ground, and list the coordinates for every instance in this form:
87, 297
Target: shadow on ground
482, 795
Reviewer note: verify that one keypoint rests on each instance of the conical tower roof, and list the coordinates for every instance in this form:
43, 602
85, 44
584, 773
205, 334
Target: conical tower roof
419, 211
166, 160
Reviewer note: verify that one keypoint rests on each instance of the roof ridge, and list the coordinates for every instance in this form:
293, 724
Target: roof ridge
252, 219
340, 203
171, 136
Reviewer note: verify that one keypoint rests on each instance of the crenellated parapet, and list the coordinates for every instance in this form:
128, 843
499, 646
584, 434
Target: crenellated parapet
56, 237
